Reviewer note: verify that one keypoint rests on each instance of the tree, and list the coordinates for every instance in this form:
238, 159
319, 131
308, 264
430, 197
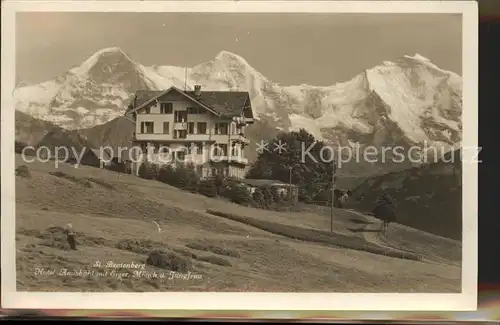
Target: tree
187, 177
19, 146
385, 210
267, 193
220, 183
277, 198
311, 171
207, 187
240, 195
258, 198
181, 176
147, 171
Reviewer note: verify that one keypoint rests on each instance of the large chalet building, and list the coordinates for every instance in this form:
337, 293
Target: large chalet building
205, 128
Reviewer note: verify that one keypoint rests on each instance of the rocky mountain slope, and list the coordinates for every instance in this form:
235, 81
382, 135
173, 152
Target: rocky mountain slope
428, 197
409, 101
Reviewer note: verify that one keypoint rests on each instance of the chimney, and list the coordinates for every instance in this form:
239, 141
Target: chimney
197, 90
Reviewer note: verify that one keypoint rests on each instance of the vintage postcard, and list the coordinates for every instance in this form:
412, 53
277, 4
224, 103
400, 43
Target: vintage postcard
251, 155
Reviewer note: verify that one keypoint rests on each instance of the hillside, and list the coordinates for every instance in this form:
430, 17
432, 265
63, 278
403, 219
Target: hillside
406, 101
115, 133
30, 130
249, 250
428, 197
38, 133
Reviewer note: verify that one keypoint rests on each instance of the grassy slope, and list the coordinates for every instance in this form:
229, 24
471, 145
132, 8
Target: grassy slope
230, 255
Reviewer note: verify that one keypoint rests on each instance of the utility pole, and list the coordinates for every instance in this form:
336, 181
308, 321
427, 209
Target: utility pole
334, 167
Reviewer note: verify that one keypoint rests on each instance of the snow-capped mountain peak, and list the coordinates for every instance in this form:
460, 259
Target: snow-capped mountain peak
229, 56
103, 57
418, 57
409, 99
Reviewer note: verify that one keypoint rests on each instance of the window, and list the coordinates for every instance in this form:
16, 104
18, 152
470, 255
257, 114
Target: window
202, 128
221, 149
235, 150
192, 148
219, 171
180, 134
234, 130
147, 127
166, 127
166, 108
147, 110
191, 127
180, 116
199, 148
221, 128
180, 155
164, 149
196, 148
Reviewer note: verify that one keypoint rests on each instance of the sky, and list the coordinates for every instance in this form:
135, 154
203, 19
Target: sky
289, 49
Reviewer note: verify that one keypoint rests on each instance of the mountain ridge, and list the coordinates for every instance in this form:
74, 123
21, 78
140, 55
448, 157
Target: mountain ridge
408, 100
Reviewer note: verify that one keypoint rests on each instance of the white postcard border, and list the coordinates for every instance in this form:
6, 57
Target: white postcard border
467, 300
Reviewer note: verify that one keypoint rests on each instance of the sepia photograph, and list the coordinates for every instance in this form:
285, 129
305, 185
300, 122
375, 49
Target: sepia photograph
239, 155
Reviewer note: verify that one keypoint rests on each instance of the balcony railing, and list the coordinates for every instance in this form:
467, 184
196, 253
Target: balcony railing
240, 138
229, 158
180, 126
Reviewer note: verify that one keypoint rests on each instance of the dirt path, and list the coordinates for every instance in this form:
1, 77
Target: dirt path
377, 238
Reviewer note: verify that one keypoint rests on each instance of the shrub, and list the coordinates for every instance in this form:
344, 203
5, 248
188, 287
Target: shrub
220, 183
240, 195
168, 260
118, 167
23, 171
276, 195
258, 198
233, 190
181, 176
267, 193
147, 171
207, 187
187, 177
19, 146
167, 175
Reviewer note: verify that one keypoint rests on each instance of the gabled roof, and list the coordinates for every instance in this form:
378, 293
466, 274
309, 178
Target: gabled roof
147, 97
225, 103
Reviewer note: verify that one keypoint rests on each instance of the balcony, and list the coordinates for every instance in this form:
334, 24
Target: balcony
244, 121
233, 159
240, 138
180, 126
171, 137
